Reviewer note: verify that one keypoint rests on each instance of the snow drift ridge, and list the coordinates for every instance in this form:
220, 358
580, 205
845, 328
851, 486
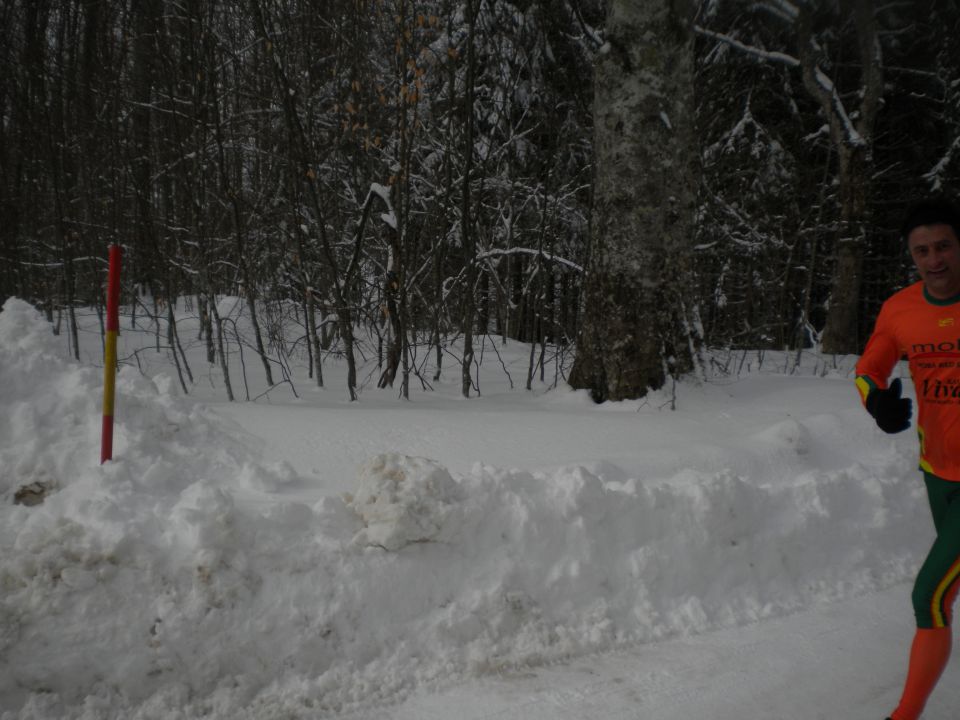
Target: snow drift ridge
178, 582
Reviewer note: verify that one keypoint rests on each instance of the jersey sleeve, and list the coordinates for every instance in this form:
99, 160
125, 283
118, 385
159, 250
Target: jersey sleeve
879, 357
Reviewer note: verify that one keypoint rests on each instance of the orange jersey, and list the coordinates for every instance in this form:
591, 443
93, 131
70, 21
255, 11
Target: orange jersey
926, 332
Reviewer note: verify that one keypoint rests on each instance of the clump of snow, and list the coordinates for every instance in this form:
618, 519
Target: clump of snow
789, 435
402, 500
182, 580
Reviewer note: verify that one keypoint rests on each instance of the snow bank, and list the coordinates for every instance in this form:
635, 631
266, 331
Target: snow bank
177, 582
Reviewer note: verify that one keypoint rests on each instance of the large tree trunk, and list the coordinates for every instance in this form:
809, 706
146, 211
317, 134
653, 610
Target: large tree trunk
633, 333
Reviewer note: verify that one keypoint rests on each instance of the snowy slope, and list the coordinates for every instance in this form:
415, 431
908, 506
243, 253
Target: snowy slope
307, 557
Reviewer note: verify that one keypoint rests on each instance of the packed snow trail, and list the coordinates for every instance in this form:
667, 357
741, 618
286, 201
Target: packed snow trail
837, 660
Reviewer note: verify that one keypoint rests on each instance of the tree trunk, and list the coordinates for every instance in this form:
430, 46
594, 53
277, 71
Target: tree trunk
633, 334
174, 342
468, 308
852, 135
840, 330
206, 327
313, 337
221, 350
395, 330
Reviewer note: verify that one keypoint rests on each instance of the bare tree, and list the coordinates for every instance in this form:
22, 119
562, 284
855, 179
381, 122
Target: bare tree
851, 134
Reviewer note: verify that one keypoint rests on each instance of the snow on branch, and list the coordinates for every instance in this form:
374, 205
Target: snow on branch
781, 8
496, 252
935, 175
768, 55
383, 193
595, 36
824, 82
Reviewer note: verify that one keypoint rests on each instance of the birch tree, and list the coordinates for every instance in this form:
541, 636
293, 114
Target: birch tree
633, 333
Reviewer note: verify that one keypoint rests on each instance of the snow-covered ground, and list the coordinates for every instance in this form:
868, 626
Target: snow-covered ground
517, 555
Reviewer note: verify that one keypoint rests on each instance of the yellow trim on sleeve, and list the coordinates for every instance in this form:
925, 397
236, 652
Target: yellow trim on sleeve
924, 463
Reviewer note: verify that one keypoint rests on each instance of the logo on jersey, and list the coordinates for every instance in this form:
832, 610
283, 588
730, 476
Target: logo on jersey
944, 347
945, 322
940, 391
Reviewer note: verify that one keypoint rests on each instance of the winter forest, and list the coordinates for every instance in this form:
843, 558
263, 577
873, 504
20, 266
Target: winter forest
637, 179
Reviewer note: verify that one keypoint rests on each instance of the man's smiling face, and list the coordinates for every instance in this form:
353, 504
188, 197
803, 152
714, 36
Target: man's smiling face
935, 250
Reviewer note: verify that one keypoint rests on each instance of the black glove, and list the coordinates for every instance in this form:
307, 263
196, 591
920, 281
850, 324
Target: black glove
891, 411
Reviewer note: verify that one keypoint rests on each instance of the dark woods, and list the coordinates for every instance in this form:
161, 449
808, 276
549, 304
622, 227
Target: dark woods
402, 175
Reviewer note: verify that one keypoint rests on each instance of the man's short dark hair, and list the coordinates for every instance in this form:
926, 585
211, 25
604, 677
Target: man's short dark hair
935, 211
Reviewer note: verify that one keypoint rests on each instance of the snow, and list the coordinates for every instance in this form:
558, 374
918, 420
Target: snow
521, 554
383, 192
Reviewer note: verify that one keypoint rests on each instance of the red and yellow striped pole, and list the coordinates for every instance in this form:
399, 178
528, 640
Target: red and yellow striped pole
110, 354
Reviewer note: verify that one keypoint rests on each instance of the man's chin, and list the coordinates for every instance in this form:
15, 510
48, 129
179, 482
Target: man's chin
941, 287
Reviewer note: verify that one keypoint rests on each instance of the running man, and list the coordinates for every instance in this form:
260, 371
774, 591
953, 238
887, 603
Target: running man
922, 324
